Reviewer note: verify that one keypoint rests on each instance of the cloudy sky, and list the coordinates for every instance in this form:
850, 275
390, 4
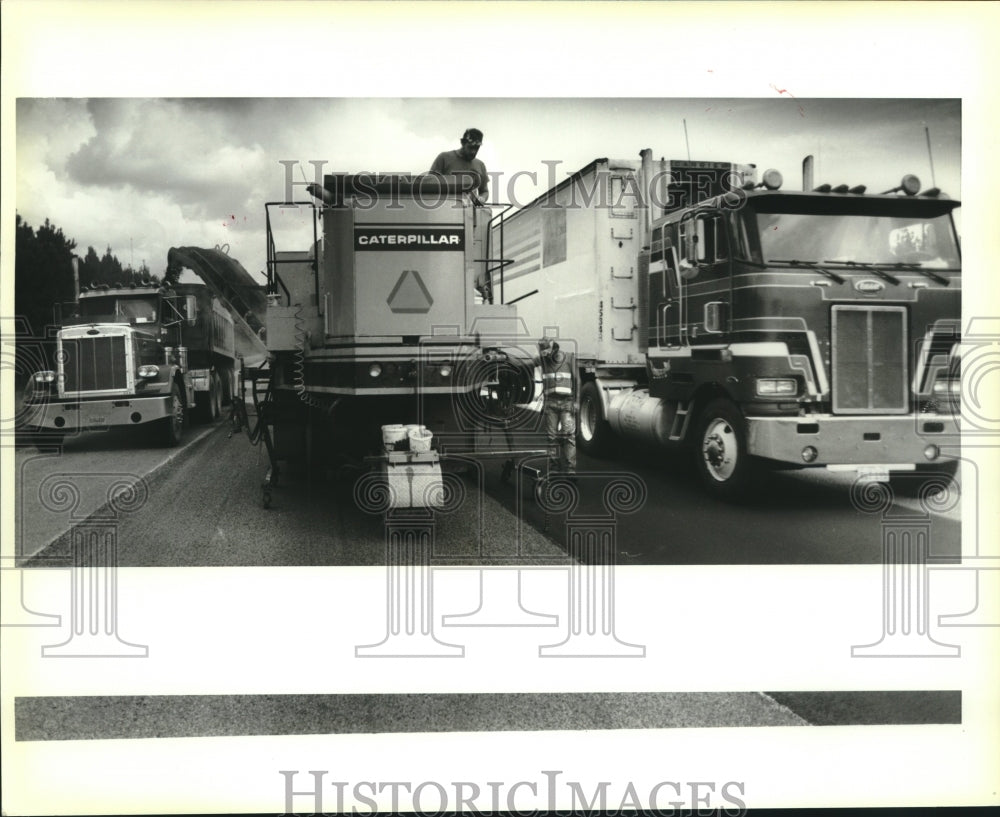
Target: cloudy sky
142, 175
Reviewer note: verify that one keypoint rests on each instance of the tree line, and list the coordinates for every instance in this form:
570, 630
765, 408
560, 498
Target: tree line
43, 277
43, 272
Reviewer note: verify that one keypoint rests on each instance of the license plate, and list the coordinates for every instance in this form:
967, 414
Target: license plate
97, 421
866, 475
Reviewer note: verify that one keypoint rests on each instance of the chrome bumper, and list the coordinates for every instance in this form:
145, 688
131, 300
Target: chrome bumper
72, 416
853, 440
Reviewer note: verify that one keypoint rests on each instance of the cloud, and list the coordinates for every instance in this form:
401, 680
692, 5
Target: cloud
154, 173
199, 159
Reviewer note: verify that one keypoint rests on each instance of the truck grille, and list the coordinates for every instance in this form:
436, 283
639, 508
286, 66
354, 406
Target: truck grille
94, 364
869, 360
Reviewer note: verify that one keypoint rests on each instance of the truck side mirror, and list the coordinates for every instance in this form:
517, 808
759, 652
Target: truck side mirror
698, 238
710, 247
675, 270
191, 309
716, 316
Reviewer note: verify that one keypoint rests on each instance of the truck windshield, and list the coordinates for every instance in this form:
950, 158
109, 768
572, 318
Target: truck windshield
133, 310
870, 239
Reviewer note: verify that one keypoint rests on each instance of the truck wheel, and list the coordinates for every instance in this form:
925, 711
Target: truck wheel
593, 431
206, 403
721, 457
173, 425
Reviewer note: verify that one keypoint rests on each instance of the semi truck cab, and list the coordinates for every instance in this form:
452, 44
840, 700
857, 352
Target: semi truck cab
120, 360
822, 326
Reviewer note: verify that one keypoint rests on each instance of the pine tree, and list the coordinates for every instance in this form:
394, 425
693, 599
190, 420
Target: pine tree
43, 272
43, 277
90, 268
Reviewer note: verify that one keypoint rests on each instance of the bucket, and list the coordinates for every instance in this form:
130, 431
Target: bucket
393, 436
420, 439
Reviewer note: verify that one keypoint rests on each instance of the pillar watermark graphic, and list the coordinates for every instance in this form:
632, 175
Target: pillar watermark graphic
980, 420
16, 609
982, 563
499, 413
22, 353
908, 560
94, 577
498, 409
409, 542
500, 588
592, 542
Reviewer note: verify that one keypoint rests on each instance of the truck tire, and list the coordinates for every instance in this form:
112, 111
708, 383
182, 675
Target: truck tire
172, 428
593, 432
724, 466
207, 403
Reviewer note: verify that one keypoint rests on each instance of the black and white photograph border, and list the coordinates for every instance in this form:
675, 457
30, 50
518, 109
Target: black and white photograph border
257, 687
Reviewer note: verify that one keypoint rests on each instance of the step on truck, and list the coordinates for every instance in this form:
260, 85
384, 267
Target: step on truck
137, 355
754, 325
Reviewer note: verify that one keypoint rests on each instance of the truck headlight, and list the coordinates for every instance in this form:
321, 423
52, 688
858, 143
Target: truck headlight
770, 386
375, 370
149, 371
46, 376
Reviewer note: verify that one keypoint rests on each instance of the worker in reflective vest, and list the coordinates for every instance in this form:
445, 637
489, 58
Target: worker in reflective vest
562, 395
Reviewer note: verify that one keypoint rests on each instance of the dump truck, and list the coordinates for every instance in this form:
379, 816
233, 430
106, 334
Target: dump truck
142, 354
755, 325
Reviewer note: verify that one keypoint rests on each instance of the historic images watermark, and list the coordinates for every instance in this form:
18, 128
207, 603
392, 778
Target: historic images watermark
551, 792
662, 189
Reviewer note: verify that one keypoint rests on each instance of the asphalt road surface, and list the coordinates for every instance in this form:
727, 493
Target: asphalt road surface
806, 516
162, 716
202, 505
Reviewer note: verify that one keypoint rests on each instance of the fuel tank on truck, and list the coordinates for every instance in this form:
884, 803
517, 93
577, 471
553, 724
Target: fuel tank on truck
634, 414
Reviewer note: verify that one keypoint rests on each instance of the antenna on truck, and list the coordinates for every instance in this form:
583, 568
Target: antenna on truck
686, 143
930, 156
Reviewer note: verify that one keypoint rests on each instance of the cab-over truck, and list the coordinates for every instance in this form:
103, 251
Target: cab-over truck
755, 325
